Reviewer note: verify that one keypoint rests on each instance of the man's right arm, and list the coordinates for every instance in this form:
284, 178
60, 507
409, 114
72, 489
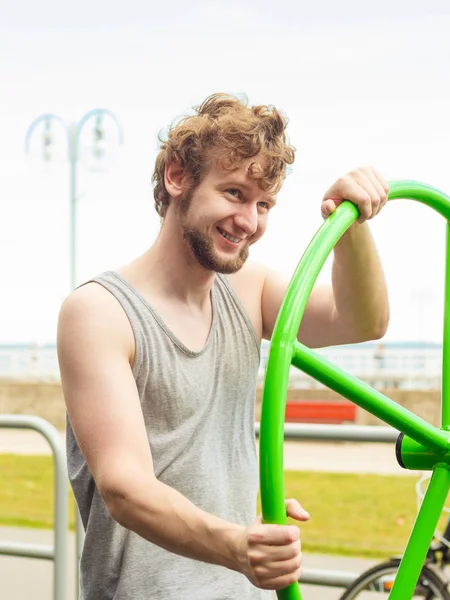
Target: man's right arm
95, 351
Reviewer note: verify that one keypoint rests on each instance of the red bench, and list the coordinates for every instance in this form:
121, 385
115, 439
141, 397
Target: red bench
320, 411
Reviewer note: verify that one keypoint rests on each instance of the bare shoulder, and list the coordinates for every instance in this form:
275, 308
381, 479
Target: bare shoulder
95, 342
91, 316
256, 279
249, 279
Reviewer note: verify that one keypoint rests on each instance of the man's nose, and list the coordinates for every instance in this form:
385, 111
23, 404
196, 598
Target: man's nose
247, 218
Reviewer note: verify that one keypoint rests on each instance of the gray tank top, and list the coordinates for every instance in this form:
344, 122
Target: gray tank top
198, 409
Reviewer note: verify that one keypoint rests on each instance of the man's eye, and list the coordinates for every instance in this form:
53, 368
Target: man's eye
234, 192
264, 205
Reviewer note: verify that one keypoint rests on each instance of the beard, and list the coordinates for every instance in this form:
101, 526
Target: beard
202, 247
202, 244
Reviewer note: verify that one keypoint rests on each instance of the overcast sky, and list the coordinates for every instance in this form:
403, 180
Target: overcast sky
360, 86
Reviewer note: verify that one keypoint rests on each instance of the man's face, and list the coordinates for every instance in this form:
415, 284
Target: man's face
223, 216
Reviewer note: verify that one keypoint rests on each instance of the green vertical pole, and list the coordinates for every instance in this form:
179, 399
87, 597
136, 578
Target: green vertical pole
445, 400
421, 535
273, 406
271, 454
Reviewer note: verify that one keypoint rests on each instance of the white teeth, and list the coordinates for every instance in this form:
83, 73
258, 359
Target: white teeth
230, 237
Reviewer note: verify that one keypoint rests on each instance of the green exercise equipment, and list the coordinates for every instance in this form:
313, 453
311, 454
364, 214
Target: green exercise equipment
419, 446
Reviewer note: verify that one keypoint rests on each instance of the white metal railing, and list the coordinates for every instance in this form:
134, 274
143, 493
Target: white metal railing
58, 552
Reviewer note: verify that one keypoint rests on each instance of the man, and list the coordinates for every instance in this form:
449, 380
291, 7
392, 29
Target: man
159, 361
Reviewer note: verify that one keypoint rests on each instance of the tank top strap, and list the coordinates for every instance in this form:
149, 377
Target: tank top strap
230, 302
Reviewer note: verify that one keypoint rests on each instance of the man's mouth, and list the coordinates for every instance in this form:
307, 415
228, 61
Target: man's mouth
228, 237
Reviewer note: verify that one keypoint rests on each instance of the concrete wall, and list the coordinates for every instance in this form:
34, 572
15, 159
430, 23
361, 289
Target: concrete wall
425, 404
45, 399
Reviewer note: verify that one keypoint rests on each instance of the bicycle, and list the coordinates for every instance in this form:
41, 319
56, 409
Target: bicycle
433, 583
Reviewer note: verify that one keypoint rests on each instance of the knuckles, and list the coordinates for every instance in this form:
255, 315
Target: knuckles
255, 558
343, 181
296, 550
292, 534
298, 561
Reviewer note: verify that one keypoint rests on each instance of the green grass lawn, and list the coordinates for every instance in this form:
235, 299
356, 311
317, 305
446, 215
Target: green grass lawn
360, 515
26, 491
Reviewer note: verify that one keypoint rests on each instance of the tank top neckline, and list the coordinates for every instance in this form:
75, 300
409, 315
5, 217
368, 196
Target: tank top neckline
160, 321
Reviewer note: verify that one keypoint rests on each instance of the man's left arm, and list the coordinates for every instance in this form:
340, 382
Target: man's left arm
355, 308
359, 288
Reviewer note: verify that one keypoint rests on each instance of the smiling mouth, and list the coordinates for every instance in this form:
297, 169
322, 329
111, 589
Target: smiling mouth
228, 237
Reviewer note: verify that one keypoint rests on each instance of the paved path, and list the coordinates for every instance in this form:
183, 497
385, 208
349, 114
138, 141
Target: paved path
31, 579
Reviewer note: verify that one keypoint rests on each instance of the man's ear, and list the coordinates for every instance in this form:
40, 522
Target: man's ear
175, 178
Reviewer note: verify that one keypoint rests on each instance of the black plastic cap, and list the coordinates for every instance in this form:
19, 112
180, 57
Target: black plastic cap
398, 450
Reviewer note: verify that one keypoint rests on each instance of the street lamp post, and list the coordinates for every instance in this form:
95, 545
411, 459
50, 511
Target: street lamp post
73, 133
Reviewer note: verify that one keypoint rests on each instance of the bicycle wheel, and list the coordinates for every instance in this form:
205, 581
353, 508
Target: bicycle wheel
376, 583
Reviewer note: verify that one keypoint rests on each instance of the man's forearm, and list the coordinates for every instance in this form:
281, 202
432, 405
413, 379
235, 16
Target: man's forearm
165, 517
359, 285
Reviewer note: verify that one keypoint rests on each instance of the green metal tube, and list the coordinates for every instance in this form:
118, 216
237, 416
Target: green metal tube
421, 535
412, 455
365, 396
282, 350
277, 377
278, 366
445, 398
290, 593
423, 193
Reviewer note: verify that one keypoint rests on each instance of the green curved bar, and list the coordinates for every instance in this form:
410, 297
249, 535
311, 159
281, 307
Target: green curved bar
414, 190
285, 350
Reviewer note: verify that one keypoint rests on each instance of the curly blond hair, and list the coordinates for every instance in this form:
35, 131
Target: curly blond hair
226, 129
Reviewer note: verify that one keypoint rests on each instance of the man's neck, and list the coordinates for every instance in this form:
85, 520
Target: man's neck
171, 269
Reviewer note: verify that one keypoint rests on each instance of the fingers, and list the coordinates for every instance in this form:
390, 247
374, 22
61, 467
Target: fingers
378, 182
274, 556
273, 580
364, 186
263, 554
279, 583
372, 182
278, 575
328, 207
273, 535
296, 511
